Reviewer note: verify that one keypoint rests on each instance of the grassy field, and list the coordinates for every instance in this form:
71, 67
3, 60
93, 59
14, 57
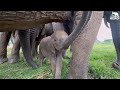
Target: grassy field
101, 58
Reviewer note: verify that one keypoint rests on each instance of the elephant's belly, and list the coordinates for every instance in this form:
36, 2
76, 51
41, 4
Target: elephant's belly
12, 20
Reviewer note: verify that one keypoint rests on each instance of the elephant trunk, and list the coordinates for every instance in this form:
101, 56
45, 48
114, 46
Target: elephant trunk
82, 23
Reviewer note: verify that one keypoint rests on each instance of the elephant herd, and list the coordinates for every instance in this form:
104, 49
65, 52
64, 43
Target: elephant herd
49, 38
48, 34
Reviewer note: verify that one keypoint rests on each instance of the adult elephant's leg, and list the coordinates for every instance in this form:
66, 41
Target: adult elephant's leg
82, 46
33, 34
115, 28
37, 42
24, 36
4, 39
15, 50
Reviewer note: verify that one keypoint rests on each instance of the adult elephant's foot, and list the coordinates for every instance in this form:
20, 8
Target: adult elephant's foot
116, 65
32, 64
35, 66
2, 60
13, 60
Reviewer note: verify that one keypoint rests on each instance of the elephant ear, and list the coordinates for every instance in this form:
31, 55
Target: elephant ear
79, 28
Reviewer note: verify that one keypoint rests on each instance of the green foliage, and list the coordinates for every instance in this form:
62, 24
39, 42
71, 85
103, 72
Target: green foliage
100, 66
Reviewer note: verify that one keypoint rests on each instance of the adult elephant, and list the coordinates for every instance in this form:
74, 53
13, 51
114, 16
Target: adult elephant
15, 53
84, 35
82, 45
4, 40
115, 29
5, 37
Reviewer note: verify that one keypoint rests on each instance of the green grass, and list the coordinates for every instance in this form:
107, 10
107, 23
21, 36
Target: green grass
21, 70
101, 59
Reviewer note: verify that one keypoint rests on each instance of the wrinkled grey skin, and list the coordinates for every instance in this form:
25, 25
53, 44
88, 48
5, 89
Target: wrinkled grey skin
25, 42
115, 29
86, 28
29, 42
50, 28
5, 37
50, 48
82, 46
26, 47
47, 30
15, 53
14, 57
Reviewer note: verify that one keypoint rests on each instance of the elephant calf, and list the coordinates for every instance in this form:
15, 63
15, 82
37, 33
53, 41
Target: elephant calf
50, 48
